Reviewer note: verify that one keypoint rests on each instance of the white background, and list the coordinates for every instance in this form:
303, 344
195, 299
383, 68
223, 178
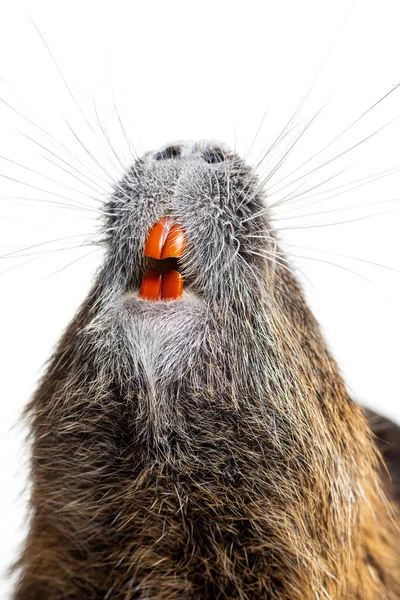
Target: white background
176, 70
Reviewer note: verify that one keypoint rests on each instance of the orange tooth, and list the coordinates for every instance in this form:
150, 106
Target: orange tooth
151, 285
174, 245
172, 286
156, 238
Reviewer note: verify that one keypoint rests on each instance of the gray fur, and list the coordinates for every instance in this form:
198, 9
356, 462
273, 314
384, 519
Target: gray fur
204, 448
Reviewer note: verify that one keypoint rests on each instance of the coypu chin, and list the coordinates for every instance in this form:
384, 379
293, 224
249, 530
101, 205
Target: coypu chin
200, 443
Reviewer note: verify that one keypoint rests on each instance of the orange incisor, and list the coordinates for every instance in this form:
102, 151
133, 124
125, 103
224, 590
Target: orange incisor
165, 240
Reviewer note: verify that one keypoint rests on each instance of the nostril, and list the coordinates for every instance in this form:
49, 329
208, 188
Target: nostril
214, 155
170, 152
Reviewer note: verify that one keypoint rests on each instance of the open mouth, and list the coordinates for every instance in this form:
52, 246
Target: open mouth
165, 244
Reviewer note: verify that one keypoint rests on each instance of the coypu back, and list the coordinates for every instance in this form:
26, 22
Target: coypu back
387, 438
204, 447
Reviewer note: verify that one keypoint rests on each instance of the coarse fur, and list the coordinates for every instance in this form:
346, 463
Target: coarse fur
205, 448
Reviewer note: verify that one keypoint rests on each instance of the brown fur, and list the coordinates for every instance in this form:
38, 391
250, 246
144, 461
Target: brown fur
259, 486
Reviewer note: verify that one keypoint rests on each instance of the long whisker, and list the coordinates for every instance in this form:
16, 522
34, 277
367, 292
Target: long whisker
331, 160
52, 203
374, 105
77, 106
38, 256
98, 189
319, 71
123, 129
339, 222
43, 131
86, 121
360, 183
54, 141
263, 253
266, 254
107, 137
68, 237
289, 149
87, 151
94, 189
126, 136
51, 250
51, 193
313, 258
19, 265
297, 197
46, 177
73, 262
326, 212
284, 133
282, 261
369, 262
256, 135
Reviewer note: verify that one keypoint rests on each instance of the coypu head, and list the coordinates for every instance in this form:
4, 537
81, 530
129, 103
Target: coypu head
228, 269
200, 442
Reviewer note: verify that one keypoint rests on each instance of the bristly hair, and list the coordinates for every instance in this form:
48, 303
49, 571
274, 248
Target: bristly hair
205, 448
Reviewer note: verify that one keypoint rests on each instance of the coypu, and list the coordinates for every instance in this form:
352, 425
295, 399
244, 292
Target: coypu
200, 444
